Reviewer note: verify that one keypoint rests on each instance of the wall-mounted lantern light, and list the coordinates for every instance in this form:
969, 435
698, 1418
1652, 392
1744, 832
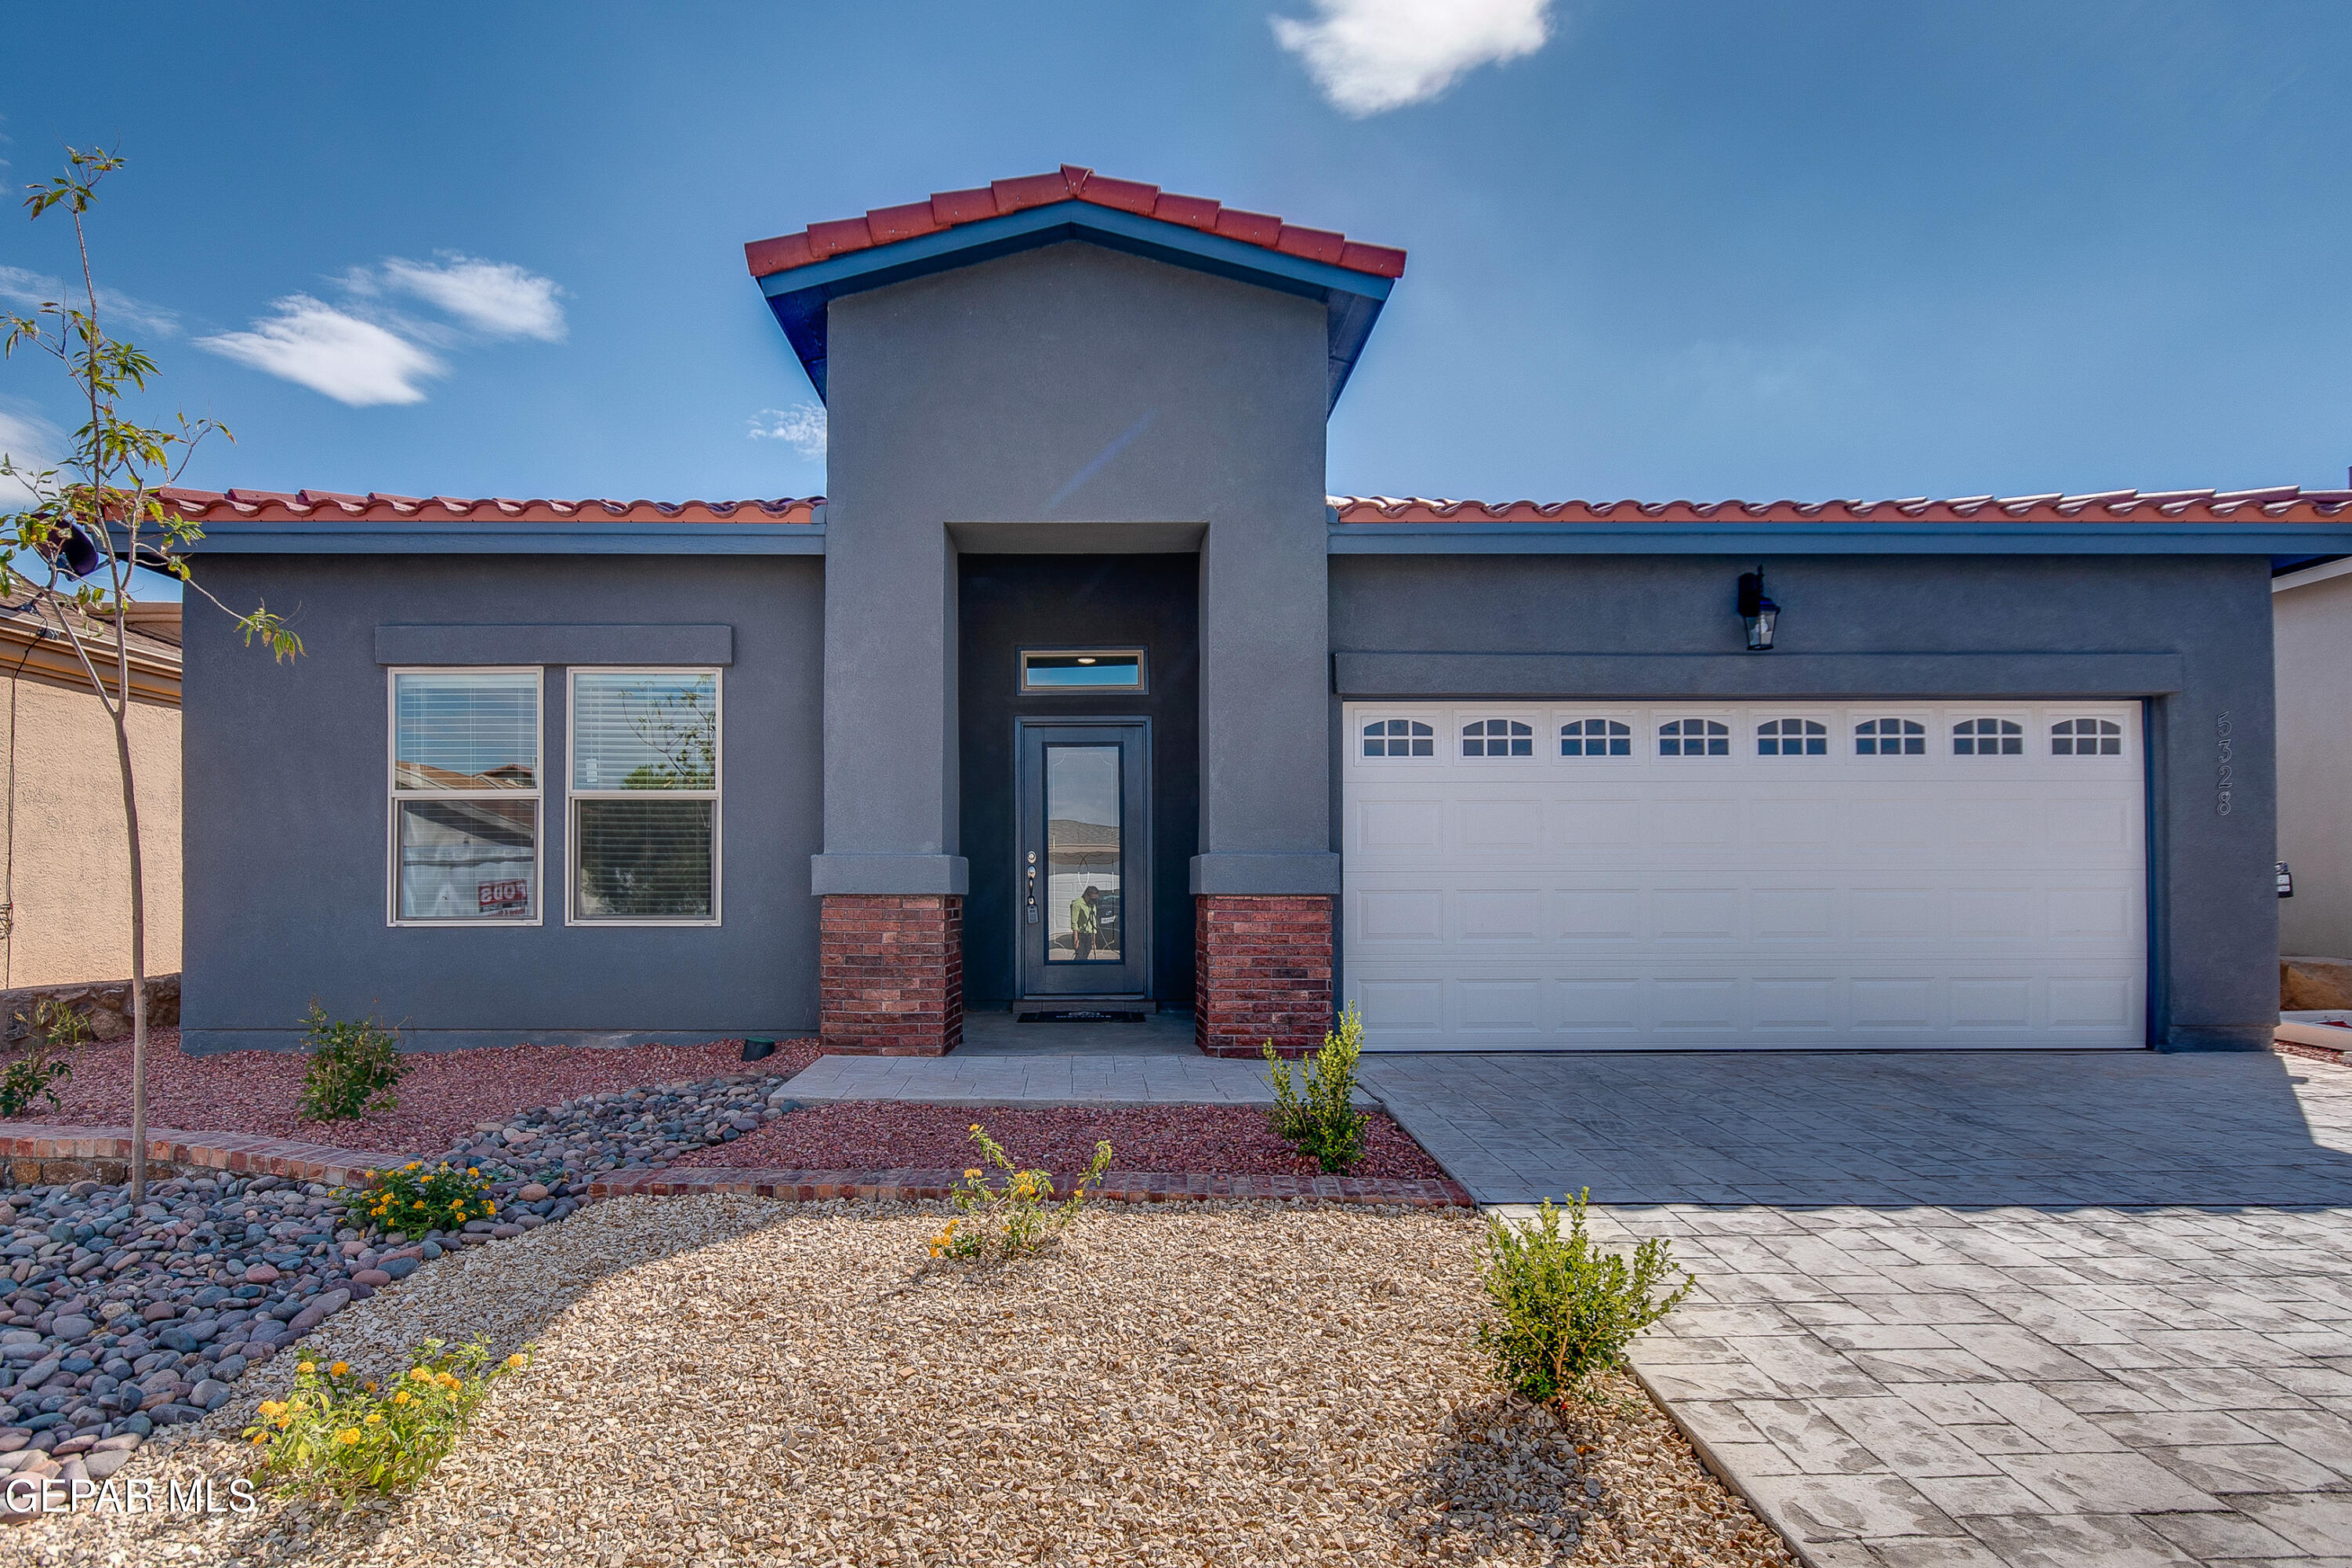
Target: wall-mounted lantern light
2285, 881
1758, 613
80, 556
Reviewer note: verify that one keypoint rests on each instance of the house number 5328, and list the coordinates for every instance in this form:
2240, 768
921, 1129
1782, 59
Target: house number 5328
2222, 763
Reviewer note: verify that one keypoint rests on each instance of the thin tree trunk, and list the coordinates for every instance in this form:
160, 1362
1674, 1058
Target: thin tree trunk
138, 949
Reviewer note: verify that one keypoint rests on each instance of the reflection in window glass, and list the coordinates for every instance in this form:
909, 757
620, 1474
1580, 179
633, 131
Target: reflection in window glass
467, 859
1098, 669
465, 789
465, 730
1082, 827
645, 858
644, 794
635, 730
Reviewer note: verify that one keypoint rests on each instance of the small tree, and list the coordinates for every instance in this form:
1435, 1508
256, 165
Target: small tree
90, 519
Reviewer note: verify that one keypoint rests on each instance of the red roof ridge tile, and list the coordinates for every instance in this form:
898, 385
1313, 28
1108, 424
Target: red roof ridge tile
330, 506
947, 209
2289, 503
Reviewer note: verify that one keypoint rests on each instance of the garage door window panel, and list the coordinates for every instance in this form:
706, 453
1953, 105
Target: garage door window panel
1498, 738
1890, 738
1792, 738
1693, 738
1596, 738
2086, 738
1988, 738
1400, 738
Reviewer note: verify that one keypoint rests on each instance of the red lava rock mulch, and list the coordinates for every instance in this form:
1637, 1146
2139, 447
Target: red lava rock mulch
443, 1093
1209, 1139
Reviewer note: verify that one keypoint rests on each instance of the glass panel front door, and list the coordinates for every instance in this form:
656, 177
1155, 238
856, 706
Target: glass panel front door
1084, 877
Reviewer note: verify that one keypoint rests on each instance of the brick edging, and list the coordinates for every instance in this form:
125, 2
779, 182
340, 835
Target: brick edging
39, 1143
1117, 1186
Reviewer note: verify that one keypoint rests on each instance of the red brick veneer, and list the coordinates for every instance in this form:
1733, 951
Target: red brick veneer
891, 973
1263, 972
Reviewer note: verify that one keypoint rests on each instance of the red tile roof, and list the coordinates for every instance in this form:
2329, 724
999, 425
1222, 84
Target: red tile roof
326, 506
883, 226
2286, 503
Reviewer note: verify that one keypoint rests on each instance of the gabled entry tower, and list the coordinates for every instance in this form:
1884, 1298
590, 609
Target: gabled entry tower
1065, 365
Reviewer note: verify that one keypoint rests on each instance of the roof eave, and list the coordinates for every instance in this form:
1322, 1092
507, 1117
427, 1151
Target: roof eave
1352, 300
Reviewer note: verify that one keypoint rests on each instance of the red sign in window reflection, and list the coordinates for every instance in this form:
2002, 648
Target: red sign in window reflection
512, 898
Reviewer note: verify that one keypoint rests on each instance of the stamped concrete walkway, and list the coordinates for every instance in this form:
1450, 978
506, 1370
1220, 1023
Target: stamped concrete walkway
1969, 1310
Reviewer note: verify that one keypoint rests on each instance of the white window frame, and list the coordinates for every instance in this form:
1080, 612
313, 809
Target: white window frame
1632, 738
1460, 723
395, 794
1828, 737
573, 795
1659, 718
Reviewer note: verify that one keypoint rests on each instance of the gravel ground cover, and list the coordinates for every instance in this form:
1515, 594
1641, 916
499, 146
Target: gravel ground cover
442, 1096
1236, 1384
1216, 1139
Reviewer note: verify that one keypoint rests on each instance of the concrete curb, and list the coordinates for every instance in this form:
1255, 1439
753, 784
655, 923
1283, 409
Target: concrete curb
1118, 1186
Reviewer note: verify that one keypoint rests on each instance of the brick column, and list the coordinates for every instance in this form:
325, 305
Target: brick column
1264, 972
891, 973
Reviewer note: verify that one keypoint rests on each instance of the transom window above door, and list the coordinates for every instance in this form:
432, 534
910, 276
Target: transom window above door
1693, 738
2086, 738
1399, 738
1498, 738
1792, 738
1081, 669
1890, 738
1595, 738
1988, 738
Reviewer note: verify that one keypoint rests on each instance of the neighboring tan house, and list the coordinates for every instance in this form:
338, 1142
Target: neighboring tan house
1078, 613
66, 883
2311, 612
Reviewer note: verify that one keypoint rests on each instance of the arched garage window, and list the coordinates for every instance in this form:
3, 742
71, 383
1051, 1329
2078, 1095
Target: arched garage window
1595, 738
2086, 738
1988, 738
1890, 738
1399, 738
1792, 738
1498, 738
1693, 738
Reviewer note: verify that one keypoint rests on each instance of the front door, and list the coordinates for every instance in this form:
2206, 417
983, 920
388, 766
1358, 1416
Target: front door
1084, 846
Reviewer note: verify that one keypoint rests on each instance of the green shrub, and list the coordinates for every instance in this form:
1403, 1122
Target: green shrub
52, 1033
1014, 1220
1322, 1123
1567, 1308
352, 1067
411, 1200
335, 1435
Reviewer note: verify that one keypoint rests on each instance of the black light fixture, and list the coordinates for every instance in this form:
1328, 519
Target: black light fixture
80, 556
2285, 881
1758, 613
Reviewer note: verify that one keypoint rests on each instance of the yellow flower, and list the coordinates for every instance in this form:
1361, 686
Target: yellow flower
421, 1374
472, 1170
373, 1416
515, 1360
307, 1366
270, 1409
976, 1127
348, 1435
259, 1438
339, 1368
972, 1174
369, 1385
412, 1165
401, 1398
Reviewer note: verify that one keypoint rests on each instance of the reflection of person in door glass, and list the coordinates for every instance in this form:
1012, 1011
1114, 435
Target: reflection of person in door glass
1082, 922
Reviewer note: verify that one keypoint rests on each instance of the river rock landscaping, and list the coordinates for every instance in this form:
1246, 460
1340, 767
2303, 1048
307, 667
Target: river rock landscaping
1228, 1383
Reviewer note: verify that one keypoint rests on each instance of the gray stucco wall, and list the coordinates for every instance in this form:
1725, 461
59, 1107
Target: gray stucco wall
284, 851
2213, 909
2315, 718
1085, 396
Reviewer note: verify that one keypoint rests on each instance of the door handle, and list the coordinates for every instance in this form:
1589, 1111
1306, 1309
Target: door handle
1033, 886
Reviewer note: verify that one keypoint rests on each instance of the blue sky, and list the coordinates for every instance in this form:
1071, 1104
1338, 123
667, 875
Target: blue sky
1707, 248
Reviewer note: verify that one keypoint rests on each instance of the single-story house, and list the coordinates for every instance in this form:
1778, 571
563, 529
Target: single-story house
1078, 693
2313, 606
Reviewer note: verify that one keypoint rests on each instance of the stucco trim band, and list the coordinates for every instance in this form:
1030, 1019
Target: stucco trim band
889, 874
554, 644
1798, 676
1266, 876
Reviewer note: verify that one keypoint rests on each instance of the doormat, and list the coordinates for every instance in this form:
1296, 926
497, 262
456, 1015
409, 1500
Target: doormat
1078, 1016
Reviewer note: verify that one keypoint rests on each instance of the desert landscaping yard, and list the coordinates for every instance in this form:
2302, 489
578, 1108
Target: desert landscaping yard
725, 1379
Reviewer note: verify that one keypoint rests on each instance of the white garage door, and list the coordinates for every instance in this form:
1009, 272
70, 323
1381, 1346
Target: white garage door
1637, 877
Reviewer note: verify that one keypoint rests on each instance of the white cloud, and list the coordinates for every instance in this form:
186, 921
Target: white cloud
29, 442
1373, 55
29, 290
800, 427
320, 347
497, 299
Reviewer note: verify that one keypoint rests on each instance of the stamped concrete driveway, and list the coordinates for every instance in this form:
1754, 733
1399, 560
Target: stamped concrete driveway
1969, 1309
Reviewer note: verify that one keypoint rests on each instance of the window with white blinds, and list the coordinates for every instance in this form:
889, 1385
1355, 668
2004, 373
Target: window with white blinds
644, 796
465, 796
